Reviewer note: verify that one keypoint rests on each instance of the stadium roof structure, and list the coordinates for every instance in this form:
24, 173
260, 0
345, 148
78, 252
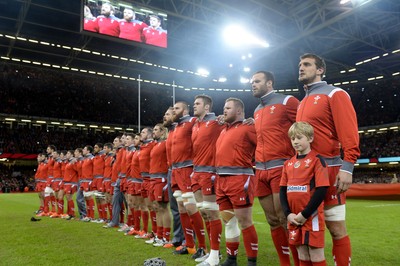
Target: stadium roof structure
360, 40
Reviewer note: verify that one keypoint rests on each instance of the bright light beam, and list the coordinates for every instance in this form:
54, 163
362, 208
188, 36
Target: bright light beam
203, 72
236, 35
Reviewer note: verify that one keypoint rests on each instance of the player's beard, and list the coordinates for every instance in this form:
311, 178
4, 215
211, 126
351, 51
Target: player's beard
307, 80
167, 123
106, 14
175, 118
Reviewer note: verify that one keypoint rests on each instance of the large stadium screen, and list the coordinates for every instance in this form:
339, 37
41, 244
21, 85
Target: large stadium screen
125, 21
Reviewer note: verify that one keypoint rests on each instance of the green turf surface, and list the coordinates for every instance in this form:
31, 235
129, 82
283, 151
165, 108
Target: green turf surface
372, 224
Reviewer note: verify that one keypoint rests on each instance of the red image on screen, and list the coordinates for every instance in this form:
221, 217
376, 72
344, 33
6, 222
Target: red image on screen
125, 21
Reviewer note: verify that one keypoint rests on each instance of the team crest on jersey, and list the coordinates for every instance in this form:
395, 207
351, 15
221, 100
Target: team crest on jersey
272, 109
316, 98
293, 234
308, 161
297, 164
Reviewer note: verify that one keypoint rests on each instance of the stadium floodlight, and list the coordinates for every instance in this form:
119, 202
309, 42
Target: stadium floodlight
244, 80
146, 10
354, 2
124, 5
236, 35
246, 69
222, 79
203, 72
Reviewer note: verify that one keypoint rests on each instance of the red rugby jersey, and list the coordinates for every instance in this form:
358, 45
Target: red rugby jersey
108, 164
273, 118
331, 113
132, 30
135, 165
41, 172
204, 137
158, 158
108, 25
181, 147
235, 149
144, 157
57, 173
99, 164
71, 173
87, 167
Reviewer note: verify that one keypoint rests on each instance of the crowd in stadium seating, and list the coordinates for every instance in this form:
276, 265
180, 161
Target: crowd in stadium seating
16, 179
377, 103
20, 179
380, 145
34, 140
368, 175
49, 93
45, 93
24, 140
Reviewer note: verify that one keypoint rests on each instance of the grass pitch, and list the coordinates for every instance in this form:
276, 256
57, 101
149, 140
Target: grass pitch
372, 226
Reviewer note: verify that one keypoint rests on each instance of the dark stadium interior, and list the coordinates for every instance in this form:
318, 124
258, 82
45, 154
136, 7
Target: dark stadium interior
43, 76
343, 34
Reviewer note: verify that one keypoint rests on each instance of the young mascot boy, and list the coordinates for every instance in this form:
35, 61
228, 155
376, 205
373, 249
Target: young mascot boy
303, 187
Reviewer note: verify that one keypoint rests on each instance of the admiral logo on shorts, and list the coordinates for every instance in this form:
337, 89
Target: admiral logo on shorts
297, 189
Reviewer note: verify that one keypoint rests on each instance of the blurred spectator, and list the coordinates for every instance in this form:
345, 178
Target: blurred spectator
58, 94
35, 140
16, 179
64, 95
48, 93
374, 175
386, 144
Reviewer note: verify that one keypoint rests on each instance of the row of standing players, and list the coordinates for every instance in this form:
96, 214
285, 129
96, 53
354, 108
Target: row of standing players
128, 28
209, 163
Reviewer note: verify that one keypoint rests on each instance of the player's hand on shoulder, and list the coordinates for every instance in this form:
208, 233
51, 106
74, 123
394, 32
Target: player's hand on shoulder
220, 119
249, 121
